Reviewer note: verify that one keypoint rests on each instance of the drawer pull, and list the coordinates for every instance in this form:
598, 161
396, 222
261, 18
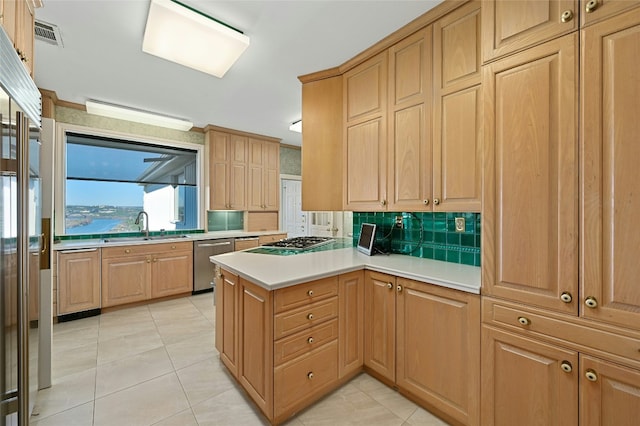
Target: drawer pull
566, 16
310, 293
127, 251
566, 366
566, 297
399, 288
389, 286
310, 316
591, 302
310, 340
591, 6
524, 320
591, 375
310, 375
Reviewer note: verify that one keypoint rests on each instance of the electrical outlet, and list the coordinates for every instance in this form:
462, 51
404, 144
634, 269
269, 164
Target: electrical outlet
460, 224
399, 222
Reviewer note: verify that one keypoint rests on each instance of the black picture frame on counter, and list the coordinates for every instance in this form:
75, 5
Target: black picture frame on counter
366, 239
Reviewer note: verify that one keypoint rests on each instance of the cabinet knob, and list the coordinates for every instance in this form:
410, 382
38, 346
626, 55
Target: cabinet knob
399, 288
566, 297
310, 340
591, 302
566, 366
383, 202
591, 6
127, 251
310, 316
566, 16
591, 375
389, 286
155, 259
310, 375
436, 201
148, 260
310, 292
425, 202
524, 320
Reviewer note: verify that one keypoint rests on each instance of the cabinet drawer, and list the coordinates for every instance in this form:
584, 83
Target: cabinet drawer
289, 322
305, 341
576, 333
302, 294
128, 250
299, 380
263, 239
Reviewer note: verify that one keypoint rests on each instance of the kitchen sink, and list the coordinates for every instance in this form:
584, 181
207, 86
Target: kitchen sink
150, 238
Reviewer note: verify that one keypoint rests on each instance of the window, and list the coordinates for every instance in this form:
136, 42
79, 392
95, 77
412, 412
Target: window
109, 181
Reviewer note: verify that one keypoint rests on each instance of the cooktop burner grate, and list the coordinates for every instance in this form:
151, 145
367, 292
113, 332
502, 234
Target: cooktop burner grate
299, 243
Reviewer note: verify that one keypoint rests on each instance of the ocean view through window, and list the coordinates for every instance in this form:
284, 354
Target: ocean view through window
109, 181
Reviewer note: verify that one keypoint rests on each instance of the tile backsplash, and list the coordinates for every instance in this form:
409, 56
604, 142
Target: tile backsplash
425, 234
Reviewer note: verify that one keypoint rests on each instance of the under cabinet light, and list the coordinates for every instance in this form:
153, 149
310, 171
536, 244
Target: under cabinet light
140, 116
296, 126
181, 34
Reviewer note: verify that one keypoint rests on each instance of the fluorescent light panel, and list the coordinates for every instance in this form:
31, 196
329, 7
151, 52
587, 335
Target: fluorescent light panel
140, 116
296, 126
179, 34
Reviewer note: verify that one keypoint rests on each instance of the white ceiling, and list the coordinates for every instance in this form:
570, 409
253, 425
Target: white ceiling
102, 57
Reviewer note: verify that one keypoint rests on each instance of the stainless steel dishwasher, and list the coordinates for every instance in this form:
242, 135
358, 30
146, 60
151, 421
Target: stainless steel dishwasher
203, 269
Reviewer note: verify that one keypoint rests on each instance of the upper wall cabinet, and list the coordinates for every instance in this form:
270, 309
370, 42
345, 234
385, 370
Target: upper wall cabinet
365, 137
593, 11
457, 111
227, 171
264, 175
509, 26
17, 17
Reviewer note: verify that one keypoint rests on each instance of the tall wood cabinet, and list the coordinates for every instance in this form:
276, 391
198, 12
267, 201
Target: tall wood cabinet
17, 18
227, 171
263, 175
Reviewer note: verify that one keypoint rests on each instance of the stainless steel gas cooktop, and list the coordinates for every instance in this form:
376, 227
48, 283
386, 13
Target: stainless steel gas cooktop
299, 243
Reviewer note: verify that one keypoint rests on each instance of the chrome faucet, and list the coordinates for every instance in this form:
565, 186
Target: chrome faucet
146, 222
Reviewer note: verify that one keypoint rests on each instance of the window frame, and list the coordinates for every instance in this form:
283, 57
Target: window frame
60, 166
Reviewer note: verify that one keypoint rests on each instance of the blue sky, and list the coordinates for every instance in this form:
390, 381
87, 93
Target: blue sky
83, 193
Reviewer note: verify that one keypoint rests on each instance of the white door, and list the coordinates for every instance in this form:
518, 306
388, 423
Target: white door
294, 220
321, 224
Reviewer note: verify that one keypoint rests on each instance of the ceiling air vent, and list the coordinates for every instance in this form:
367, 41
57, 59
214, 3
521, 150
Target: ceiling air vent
48, 33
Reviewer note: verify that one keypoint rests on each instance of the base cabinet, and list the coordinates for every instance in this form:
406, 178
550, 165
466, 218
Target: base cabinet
78, 280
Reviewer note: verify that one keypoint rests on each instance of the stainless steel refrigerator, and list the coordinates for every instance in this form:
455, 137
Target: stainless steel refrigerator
20, 237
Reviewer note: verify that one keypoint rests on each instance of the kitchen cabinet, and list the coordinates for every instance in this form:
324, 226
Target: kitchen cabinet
365, 137
530, 204
406, 323
322, 144
227, 170
78, 280
609, 184
457, 111
351, 323
263, 175
246, 243
17, 17
527, 382
142, 272
227, 319
592, 11
264, 239
511, 26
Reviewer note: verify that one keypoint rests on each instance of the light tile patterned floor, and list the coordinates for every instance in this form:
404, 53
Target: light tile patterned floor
157, 365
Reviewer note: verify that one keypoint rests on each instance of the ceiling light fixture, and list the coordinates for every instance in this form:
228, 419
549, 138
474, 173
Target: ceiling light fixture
296, 126
179, 33
133, 114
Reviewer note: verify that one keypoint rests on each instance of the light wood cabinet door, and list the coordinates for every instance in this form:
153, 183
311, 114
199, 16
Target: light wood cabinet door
524, 381
229, 327
365, 166
609, 393
530, 204
610, 158
322, 136
255, 371
171, 272
365, 89
442, 326
78, 281
10, 17
219, 165
380, 317
263, 175
25, 34
457, 111
237, 189
409, 141
125, 279
272, 176
351, 323
509, 26
592, 11
256, 175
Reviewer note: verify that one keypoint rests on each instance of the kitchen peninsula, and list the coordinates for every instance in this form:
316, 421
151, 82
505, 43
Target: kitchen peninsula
290, 329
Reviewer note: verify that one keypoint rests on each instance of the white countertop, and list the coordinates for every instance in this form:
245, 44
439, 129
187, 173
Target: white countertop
273, 272
96, 243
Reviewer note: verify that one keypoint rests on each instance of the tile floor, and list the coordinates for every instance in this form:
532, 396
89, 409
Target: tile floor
157, 365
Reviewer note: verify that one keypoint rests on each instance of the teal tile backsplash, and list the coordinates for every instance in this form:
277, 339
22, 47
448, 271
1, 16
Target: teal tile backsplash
218, 220
437, 240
